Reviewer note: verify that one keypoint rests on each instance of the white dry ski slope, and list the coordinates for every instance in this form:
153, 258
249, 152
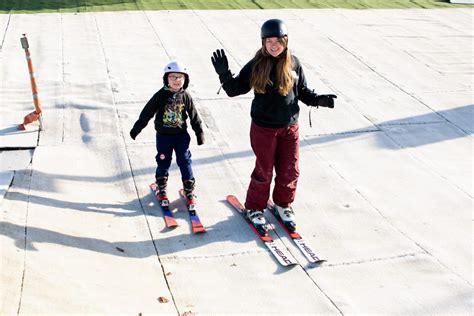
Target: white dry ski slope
384, 195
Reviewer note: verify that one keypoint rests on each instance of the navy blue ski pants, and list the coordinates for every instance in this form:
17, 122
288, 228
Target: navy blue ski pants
179, 143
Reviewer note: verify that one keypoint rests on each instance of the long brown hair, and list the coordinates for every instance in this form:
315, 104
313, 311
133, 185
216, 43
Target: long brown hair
263, 65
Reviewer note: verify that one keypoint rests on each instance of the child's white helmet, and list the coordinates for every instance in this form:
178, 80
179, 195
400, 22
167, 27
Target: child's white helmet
176, 66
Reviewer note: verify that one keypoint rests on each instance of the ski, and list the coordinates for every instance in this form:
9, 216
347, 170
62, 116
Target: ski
296, 237
170, 221
196, 224
280, 252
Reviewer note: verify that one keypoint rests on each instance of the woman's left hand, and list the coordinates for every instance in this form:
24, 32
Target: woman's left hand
325, 100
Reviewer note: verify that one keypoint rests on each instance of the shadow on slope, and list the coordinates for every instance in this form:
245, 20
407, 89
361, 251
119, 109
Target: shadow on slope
167, 241
461, 118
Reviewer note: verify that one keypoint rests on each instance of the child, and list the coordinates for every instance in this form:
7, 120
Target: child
171, 106
278, 81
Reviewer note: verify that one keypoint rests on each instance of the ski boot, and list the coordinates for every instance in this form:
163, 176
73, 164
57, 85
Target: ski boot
258, 221
188, 188
287, 216
161, 193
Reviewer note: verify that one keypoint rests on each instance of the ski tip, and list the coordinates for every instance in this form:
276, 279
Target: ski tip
199, 231
318, 262
288, 264
233, 200
170, 221
197, 226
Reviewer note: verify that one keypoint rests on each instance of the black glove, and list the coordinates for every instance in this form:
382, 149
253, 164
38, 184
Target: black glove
219, 61
200, 138
324, 100
133, 133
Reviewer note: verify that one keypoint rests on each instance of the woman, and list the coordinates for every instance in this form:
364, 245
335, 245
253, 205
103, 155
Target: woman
278, 81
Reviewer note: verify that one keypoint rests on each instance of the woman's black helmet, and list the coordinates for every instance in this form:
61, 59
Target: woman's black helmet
273, 28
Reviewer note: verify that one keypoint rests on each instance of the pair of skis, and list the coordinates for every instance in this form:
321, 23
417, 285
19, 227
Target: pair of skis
170, 221
278, 249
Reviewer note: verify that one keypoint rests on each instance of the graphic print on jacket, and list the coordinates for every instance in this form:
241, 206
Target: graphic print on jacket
173, 115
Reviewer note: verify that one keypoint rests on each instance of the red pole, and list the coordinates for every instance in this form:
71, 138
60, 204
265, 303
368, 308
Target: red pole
36, 114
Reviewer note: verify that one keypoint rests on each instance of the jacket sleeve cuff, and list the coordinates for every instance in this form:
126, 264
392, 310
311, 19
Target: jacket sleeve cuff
200, 138
226, 76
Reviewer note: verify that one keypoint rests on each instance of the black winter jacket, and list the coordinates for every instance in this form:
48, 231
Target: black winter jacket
171, 109
271, 109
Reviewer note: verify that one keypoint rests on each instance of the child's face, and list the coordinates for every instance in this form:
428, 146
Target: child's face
175, 81
274, 46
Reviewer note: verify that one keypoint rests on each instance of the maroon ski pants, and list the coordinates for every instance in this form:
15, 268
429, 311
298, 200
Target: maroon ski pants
274, 148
